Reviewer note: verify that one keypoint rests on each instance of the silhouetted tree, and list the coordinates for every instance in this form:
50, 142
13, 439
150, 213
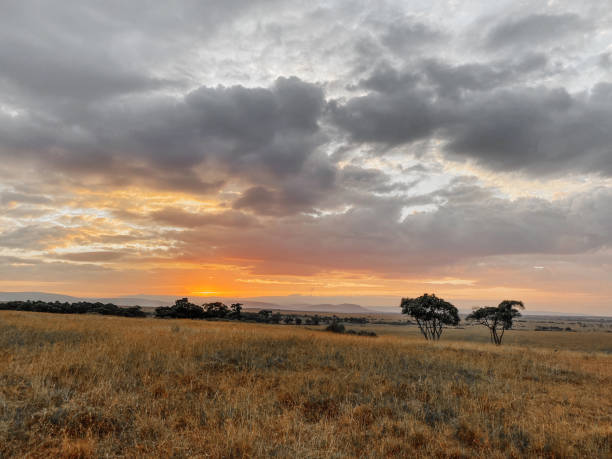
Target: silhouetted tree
431, 314
182, 309
216, 309
298, 321
264, 315
288, 320
236, 310
498, 319
276, 317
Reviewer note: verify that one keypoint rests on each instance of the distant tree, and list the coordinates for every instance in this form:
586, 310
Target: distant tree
236, 310
298, 321
335, 326
313, 320
431, 313
276, 317
265, 314
182, 309
288, 320
216, 309
498, 319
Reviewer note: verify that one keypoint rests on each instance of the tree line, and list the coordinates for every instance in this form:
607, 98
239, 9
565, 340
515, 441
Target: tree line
431, 314
81, 307
182, 309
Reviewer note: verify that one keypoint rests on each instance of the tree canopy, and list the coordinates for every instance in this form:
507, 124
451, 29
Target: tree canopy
431, 314
497, 319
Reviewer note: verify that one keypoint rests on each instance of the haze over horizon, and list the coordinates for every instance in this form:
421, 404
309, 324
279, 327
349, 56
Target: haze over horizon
348, 149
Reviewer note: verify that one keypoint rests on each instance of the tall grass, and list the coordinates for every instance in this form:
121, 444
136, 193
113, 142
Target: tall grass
87, 386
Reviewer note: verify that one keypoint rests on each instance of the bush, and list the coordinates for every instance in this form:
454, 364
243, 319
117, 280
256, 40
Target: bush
361, 333
335, 327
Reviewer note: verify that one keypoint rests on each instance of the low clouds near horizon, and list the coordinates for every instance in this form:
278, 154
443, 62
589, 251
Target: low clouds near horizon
270, 147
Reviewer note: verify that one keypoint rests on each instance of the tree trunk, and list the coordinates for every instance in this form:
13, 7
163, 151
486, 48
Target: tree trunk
423, 331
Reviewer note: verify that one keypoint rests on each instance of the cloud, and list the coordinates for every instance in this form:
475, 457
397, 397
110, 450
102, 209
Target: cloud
404, 34
450, 80
254, 134
83, 51
534, 30
477, 115
392, 118
97, 256
33, 237
180, 218
13, 197
536, 131
466, 222
371, 180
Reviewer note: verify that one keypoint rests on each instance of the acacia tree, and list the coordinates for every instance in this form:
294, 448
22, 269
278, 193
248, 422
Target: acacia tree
498, 319
431, 314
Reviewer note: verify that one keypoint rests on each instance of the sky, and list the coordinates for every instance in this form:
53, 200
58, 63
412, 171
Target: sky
338, 149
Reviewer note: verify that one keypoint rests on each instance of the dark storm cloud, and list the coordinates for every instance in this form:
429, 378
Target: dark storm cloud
481, 113
256, 134
536, 130
387, 117
411, 104
84, 101
534, 30
450, 80
88, 101
301, 193
270, 129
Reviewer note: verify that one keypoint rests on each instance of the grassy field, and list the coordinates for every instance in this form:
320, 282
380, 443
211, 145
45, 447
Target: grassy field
89, 386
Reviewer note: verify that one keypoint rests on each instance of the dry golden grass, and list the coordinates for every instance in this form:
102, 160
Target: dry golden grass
83, 386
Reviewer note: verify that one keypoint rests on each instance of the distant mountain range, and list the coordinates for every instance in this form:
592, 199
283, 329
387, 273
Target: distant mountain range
288, 303
155, 301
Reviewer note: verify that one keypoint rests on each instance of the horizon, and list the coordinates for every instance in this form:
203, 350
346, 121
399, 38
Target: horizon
284, 150
379, 305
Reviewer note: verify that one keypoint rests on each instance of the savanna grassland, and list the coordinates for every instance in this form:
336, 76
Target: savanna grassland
91, 386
